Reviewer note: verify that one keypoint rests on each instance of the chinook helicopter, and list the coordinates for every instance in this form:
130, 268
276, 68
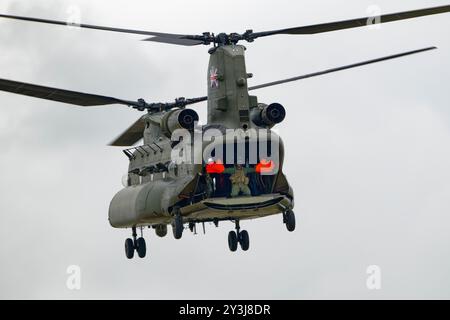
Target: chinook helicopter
222, 178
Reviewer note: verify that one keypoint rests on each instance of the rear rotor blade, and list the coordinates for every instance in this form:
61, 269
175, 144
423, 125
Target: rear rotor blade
132, 135
181, 41
354, 23
234, 38
95, 27
320, 73
60, 95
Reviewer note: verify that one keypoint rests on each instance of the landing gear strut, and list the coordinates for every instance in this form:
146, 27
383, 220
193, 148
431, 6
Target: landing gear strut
238, 237
135, 244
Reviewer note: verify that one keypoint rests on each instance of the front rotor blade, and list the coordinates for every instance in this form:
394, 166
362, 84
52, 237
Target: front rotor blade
60, 95
355, 65
89, 26
354, 23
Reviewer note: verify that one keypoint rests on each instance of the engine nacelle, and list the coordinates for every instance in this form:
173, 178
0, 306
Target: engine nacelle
268, 115
179, 119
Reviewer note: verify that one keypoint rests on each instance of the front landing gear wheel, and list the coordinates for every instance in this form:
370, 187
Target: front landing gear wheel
141, 247
289, 220
244, 240
135, 244
129, 249
232, 241
178, 226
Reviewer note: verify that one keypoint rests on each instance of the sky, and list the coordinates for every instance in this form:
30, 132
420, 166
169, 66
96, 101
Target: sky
367, 153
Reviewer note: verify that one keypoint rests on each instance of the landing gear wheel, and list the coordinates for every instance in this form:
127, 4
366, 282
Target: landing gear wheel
244, 240
129, 249
141, 247
178, 227
232, 241
289, 220
161, 231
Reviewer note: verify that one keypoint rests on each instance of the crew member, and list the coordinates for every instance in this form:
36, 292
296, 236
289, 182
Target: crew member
239, 182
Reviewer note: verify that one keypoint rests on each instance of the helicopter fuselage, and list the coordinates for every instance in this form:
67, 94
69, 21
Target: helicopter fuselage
157, 184
175, 179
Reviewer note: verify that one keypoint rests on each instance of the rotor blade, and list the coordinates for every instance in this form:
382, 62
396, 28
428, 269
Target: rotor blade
89, 26
179, 41
195, 100
354, 23
320, 73
60, 95
132, 135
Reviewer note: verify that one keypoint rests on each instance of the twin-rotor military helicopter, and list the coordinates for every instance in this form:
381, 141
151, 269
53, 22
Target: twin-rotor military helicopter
160, 192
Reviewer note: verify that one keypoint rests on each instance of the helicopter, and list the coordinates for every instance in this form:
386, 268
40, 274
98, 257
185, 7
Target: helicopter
230, 169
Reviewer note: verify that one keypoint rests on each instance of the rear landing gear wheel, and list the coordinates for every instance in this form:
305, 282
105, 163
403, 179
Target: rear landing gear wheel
244, 240
236, 238
141, 247
232, 241
129, 249
178, 226
289, 220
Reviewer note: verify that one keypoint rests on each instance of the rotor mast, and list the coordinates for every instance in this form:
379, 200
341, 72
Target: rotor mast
229, 101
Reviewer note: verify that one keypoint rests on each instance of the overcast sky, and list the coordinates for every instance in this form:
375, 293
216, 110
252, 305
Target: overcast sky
367, 153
